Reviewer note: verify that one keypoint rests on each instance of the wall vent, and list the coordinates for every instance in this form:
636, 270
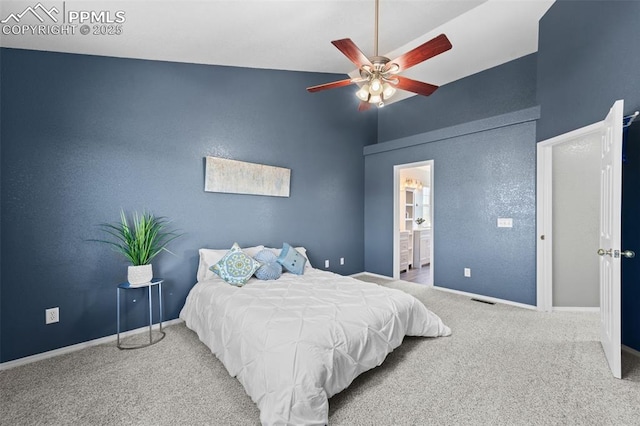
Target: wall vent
483, 301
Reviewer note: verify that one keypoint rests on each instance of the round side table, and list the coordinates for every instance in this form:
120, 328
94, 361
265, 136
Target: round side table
152, 283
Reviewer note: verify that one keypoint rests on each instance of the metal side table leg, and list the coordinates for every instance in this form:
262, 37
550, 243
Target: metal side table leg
161, 313
118, 317
150, 318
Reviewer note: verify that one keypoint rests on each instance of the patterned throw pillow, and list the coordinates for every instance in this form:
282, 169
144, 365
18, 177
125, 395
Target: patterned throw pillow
270, 269
236, 267
209, 257
291, 260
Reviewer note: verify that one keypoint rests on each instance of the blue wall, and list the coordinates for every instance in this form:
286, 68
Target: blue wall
84, 136
499, 90
483, 170
478, 177
587, 59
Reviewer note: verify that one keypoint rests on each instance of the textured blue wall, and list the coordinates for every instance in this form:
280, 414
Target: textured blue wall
84, 136
587, 59
499, 90
478, 177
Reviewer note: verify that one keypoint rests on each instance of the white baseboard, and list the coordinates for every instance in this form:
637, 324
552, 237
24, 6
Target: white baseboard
575, 309
67, 349
631, 351
372, 274
486, 298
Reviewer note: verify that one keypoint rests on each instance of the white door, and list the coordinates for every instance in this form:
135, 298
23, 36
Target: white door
610, 229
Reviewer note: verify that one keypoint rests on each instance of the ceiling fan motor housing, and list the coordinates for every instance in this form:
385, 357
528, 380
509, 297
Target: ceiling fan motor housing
381, 69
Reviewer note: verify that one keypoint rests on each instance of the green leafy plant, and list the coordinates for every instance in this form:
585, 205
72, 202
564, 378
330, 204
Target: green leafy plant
143, 240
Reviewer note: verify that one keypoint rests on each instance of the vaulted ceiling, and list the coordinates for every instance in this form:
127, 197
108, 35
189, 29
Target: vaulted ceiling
296, 35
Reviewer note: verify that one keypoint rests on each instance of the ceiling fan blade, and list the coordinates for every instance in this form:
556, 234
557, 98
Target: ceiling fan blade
427, 50
414, 86
332, 85
351, 51
364, 106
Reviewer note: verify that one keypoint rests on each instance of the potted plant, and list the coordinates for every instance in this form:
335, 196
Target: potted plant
139, 243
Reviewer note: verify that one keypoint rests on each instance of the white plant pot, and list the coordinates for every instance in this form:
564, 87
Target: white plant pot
140, 274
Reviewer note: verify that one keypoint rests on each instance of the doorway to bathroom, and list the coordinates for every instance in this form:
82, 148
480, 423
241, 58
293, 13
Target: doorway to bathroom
413, 222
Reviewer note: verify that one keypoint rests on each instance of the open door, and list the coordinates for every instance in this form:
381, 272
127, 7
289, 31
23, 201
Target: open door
610, 132
610, 237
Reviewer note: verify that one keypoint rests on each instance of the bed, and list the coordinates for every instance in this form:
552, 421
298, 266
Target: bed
296, 341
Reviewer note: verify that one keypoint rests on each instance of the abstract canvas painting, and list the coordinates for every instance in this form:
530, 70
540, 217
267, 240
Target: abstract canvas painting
240, 177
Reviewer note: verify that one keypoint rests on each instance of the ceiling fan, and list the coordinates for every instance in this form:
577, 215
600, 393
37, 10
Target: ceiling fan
379, 75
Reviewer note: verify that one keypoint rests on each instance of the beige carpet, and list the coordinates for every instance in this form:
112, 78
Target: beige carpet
502, 366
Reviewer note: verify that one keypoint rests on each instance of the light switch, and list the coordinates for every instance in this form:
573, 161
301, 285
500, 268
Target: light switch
505, 222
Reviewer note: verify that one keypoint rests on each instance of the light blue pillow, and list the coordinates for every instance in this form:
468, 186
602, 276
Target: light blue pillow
265, 256
292, 260
270, 269
236, 267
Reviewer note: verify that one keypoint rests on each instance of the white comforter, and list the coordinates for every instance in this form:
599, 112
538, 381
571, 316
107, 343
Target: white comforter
296, 341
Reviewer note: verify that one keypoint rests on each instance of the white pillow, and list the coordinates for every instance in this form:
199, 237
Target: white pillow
301, 250
209, 257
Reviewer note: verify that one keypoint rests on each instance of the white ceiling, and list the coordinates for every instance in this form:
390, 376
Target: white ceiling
296, 34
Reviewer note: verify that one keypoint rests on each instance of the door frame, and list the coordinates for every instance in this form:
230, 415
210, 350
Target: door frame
544, 212
396, 214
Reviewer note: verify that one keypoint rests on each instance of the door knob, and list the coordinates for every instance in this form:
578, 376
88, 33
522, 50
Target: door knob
629, 254
603, 252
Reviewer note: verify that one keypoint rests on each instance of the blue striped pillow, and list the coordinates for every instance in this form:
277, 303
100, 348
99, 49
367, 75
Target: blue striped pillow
270, 269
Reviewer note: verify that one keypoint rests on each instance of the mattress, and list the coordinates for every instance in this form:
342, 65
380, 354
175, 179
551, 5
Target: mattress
296, 341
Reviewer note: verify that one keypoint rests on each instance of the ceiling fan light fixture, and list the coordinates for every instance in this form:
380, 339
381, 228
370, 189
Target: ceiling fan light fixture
363, 93
376, 91
376, 86
388, 90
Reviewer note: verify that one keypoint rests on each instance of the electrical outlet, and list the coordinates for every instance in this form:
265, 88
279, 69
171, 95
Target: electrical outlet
51, 315
467, 272
326, 263
342, 260
505, 222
